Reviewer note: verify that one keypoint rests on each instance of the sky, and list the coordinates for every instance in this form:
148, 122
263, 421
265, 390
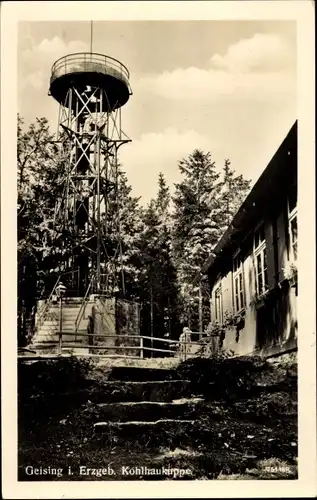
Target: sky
228, 87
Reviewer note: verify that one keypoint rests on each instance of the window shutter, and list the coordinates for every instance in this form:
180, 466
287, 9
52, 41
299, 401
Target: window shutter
227, 292
270, 256
282, 252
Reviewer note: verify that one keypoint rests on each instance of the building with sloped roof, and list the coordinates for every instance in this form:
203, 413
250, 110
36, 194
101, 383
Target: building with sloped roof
252, 272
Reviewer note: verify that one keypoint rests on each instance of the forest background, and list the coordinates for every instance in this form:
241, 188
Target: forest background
164, 244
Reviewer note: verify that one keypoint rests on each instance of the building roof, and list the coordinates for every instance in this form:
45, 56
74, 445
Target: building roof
263, 196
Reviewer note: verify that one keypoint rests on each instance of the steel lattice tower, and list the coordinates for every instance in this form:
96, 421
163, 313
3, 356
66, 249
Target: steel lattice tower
90, 89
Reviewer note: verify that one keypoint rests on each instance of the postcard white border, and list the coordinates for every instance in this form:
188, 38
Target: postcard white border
301, 11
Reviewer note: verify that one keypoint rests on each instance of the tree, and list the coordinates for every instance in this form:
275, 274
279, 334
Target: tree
163, 200
157, 278
40, 171
204, 206
130, 224
161, 247
169, 285
197, 218
234, 190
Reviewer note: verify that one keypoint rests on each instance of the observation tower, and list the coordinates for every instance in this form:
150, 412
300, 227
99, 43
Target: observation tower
91, 90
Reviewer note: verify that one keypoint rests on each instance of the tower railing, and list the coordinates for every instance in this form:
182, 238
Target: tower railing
88, 62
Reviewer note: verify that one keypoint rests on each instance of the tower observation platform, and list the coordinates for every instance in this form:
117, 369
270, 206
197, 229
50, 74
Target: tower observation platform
80, 70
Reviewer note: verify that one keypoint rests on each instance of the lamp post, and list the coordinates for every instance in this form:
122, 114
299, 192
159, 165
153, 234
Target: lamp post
60, 292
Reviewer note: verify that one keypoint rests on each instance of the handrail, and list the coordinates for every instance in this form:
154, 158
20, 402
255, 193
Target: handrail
83, 306
46, 306
144, 337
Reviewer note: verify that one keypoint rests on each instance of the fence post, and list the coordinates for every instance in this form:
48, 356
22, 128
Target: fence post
141, 347
60, 325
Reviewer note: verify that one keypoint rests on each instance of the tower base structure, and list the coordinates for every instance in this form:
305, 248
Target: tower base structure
97, 325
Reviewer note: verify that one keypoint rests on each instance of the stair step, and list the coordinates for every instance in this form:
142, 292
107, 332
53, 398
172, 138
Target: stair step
50, 323
56, 307
133, 373
64, 324
149, 410
66, 303
53, 330
73, 305
156, 433
119, 392
47, 331
49, 317
100, 426
65, 319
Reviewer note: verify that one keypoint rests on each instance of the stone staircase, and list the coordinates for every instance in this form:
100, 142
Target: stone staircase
46, 336
147, 419
142, 405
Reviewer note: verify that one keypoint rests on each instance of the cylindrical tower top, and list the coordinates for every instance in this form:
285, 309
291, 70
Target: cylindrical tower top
85, 69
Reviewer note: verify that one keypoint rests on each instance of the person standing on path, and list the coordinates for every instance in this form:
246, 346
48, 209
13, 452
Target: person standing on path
184, 342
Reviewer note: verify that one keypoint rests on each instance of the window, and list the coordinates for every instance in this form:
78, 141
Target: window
218, 305
261, 278
238, 285
261, 272
259, 237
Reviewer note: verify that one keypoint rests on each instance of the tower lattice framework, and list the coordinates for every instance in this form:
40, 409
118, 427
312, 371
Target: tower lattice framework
91, 89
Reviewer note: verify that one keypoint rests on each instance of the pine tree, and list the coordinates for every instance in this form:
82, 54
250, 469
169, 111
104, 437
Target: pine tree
197, 219
130, 224
157, 277
205, 202
234, 190
163, 199
169, 285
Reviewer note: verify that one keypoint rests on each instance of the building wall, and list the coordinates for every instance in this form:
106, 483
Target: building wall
274, 326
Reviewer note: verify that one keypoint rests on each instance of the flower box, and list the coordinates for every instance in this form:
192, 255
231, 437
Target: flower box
259, 304
240, 322
292, 281
290, 273
259, 301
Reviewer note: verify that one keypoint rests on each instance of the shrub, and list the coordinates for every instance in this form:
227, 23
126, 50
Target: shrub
51, 377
